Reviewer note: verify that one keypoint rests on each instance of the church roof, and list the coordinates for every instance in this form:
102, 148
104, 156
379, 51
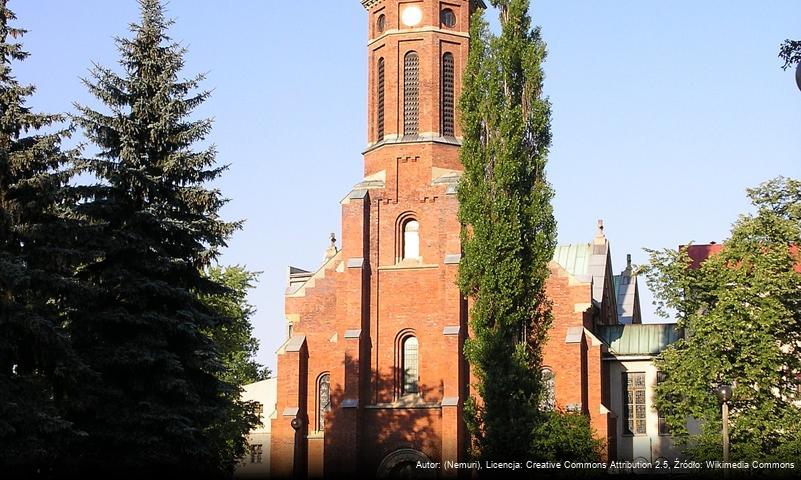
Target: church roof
627, 295
641, 339
587, 261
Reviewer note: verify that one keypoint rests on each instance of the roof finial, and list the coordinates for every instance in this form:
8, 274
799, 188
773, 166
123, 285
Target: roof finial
628, 260
332, 249
600, 232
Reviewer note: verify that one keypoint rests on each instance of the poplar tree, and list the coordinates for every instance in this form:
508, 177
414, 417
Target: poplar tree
510, 233
160, 405
37, 365
741, 313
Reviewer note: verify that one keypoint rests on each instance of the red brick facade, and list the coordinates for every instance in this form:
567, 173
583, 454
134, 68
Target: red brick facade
349, 320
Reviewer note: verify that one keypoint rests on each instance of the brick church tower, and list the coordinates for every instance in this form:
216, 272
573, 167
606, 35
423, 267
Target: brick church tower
371, 378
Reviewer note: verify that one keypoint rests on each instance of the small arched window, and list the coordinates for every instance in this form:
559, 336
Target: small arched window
447, 95
410, 365
448, 18
411, 93
548, 401
380, 101
323, 399
411, 240
381, 23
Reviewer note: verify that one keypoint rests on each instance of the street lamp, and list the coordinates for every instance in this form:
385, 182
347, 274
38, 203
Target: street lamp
723, 393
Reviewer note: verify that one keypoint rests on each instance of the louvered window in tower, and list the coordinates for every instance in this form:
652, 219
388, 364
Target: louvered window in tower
380, 113
411, 93
447, 95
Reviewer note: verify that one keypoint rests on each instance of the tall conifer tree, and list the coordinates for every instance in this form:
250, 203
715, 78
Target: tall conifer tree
160, 404
510, 232
37, 366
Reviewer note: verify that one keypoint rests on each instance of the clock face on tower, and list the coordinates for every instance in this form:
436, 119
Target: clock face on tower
411, 16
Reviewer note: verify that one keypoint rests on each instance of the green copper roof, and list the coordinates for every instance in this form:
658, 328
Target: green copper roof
574, 258
639, 339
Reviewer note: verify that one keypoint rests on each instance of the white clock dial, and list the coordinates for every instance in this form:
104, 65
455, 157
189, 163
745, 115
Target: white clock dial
412, 16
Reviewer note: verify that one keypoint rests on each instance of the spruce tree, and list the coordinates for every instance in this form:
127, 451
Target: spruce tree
159, 406
509, 234
37, 366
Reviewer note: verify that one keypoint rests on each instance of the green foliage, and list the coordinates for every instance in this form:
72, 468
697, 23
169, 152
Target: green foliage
37, 365
237, 347
741, 311
161, 402
510, 230
234, 340
790, 53
561, 436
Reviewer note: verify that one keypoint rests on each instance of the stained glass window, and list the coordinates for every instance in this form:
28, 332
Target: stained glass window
255, 453
411, 368
548, 401
663, 428
634, 391
323, 400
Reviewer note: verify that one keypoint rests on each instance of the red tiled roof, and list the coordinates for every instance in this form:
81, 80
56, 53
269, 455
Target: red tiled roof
699, 253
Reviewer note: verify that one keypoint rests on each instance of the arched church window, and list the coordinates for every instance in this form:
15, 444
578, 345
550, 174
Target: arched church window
323, 399
411, 93
548, 401
380, 102
411, 239
447, 95
410, 365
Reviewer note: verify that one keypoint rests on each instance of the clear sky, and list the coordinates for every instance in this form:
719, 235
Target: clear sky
663, 114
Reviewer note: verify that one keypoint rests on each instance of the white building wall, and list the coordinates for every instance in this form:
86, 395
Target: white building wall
263, 392
652, 445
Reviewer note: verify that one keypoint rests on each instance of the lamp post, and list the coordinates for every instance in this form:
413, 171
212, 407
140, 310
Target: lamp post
297, 460
798, 75
723, 393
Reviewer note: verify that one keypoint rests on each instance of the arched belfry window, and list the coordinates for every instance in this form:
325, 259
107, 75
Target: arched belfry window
380, 101
323, 399
447, 95
411, 93
411, 239
410, 365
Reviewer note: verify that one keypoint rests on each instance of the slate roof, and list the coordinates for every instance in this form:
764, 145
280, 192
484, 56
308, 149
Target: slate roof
641, 339
627, 295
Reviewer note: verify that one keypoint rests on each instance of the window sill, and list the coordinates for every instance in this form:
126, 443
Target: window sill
408, 265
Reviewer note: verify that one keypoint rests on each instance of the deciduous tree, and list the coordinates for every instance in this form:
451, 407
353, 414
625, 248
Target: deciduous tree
741, 313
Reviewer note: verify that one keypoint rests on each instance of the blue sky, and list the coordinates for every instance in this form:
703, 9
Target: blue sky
663, 114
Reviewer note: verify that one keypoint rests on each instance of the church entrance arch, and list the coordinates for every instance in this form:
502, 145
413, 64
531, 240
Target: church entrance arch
402, 464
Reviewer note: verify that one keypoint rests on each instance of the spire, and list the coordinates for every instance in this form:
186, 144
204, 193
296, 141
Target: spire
628, 268
332, 249
600, 232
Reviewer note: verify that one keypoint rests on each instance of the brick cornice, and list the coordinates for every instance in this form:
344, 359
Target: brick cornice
368, 4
